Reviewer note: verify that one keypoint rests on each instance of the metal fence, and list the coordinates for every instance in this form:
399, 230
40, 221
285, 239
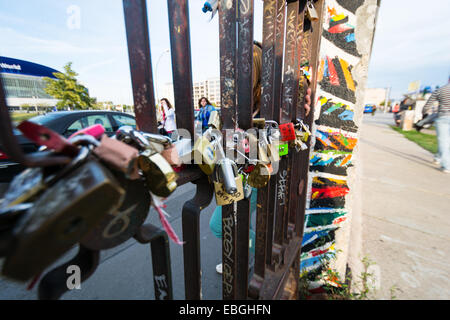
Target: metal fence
291, 35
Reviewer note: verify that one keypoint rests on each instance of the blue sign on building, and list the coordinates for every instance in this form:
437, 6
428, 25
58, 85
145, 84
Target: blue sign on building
16, 66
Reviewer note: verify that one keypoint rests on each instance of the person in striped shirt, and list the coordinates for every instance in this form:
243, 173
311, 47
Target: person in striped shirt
442, 97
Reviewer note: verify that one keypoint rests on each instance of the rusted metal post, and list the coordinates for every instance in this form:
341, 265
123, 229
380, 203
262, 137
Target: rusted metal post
181, 63
191, 237
160, 250
267, 90
272, 252
227, 42
288, 113
244, 112
135, 12
314, 65
299, 113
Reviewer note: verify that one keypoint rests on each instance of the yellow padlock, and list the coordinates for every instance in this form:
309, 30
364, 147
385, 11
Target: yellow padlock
260, 176
204, 155
224, 198
161, 179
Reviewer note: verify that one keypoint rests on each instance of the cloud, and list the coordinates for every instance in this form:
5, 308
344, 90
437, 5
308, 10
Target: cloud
15, 40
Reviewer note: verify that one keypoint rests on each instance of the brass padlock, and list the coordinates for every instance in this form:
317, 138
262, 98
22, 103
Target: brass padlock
260, 176
204, 155
311, 12
273, 152
222, 196
160, 177
259, 123
60, 217
120, 225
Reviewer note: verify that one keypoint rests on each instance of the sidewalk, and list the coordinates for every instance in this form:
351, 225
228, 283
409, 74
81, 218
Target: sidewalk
405, 214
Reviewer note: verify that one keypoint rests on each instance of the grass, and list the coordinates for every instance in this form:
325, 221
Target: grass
21, 116
425, 140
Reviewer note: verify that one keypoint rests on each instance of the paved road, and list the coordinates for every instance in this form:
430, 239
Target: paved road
405, 214
125, 272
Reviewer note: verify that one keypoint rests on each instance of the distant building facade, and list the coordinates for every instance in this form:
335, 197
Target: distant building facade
24, 84
209, 88
375, 96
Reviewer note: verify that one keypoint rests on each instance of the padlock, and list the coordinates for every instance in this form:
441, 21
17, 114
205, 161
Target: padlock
283, 148
222, 175
160, 177
119, 155
9, 215
311, 12
260, 176
170, 153
184, 150
204, 155
24, 187
259, 123
120, 225
214, 120
247, 188
287, 131
44, 136
60, 217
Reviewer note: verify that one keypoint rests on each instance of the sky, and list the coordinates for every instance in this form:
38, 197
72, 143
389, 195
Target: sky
412, 42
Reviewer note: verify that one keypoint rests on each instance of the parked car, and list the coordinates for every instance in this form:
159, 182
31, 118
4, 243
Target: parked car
65, 123
369, 108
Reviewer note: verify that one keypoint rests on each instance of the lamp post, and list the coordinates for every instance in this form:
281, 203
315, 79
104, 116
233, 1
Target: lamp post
156, 71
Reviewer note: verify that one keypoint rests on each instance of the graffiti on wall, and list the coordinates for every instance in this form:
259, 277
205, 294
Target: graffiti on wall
340, 32
335, 77
335, 134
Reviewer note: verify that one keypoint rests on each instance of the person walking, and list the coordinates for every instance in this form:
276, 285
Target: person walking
168, 118
442, 97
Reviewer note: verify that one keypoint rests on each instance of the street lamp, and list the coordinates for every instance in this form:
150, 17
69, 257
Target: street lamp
156, 71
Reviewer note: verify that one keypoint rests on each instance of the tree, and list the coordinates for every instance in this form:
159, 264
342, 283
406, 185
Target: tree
68, 91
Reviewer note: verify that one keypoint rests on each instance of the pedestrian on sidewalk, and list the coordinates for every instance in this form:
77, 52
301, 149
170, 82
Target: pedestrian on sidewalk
168, 117
442, 96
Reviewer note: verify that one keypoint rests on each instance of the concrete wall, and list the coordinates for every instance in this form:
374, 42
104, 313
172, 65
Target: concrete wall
333, 213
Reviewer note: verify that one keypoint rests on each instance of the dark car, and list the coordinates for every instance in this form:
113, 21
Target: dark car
65, 123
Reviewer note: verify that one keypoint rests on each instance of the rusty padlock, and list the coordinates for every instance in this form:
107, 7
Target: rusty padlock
60, 217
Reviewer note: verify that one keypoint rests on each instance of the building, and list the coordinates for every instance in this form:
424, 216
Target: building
209, 88
24, 84
375, 96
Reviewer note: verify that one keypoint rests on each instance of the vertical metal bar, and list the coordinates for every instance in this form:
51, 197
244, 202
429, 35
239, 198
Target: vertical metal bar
181, 63
162, 274
295, 178
288, 113
267, 88
290, 99
135, 12
160, 251
191, 236
304, 163
278, 69
227, 42
244, 110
